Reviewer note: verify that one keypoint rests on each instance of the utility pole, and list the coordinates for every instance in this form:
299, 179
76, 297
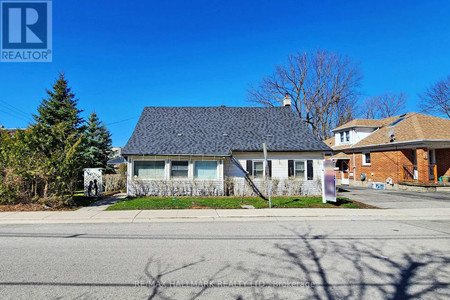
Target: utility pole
266, 171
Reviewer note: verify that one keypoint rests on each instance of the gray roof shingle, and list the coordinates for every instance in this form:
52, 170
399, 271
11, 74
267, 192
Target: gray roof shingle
219, 131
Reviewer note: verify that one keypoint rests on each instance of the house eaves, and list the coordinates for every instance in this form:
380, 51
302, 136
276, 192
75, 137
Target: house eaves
446, 143
354, 126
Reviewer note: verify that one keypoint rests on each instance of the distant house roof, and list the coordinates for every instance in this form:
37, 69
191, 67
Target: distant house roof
340, 155
11, 131
219, 131
408, 128
366, 123
116, 161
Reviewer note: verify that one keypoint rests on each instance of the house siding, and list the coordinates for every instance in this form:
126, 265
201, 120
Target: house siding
228, 174
281, 183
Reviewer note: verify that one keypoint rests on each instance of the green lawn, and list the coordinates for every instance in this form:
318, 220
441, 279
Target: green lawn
228, 202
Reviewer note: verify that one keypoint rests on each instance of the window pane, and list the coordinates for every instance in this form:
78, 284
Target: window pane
342, 137
258, 169
179, 169
367, 155
300, 169
300, 165
258, 174
205, 169
347, 136
299, 173
149, 169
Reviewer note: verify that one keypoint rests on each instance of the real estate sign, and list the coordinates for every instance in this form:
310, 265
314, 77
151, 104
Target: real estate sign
328, 182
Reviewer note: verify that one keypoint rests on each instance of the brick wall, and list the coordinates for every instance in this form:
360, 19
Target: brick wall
423, 164
389, 164
384, 164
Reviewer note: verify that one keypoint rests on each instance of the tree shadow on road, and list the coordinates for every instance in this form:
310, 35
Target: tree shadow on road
332, 266
343, 268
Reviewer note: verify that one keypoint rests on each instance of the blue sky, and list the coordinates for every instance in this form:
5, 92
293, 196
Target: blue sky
120, 56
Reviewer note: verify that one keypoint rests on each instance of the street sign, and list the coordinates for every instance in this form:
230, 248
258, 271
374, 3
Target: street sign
328, 182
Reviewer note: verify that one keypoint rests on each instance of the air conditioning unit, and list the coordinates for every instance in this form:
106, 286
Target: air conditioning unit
378, 185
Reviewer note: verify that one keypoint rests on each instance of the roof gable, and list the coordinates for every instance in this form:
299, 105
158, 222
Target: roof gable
219, 131
367, 123
405, 128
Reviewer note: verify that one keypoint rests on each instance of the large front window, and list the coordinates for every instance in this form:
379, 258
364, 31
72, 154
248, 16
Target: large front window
149, 169
258, 169
205, 170
300, 169
179, 169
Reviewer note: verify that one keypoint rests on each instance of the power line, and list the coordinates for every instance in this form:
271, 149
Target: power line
15, 112
13, 108
121, 121
14, 116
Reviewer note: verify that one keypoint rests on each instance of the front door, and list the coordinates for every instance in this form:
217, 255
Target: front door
344, 172
432, 165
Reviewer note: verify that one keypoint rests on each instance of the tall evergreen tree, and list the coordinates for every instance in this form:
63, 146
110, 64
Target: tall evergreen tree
60, 107
97, 143
58, 136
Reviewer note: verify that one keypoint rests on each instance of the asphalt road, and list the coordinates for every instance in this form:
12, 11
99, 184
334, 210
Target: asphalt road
393, 198
228, 260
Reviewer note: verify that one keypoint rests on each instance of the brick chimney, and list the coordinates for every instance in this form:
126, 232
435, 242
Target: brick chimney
286, 100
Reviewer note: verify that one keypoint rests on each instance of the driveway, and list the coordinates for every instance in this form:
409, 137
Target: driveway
395, 198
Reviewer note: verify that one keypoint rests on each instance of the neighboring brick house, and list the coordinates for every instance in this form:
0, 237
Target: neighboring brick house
211, 150
409, 147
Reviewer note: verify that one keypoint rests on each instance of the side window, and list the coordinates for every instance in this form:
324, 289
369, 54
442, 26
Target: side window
342, 137
347, 136
366, 158
258, 169
300, 169
179, 169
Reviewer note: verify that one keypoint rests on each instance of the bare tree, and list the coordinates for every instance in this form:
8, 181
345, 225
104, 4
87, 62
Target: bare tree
437, 98
383, 106
323, 87
368, 109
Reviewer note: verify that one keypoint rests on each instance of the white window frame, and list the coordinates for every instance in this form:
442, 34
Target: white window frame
304, 168
134, 176
347, 136
364, 163
253, 168
179, 178
217, 169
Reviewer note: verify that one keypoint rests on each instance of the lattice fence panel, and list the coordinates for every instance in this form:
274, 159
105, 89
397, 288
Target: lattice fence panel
93, 186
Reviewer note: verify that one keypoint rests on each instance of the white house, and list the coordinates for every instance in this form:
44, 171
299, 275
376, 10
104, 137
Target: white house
218, 151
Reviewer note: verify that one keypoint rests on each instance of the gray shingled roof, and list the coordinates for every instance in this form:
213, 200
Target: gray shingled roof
219, 131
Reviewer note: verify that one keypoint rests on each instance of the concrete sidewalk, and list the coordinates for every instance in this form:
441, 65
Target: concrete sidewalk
219, 215
104, 203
